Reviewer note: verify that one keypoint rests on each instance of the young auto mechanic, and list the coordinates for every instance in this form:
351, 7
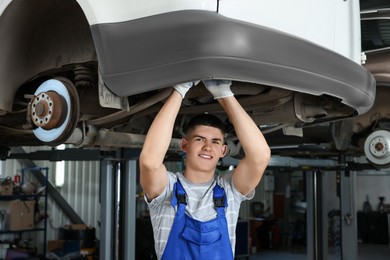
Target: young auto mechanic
194, 213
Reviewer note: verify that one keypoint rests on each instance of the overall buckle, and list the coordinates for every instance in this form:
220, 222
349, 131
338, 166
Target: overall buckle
219, 202
181, 198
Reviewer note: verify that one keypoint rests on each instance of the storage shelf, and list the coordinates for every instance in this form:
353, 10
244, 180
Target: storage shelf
31, 197
21, 231
21, 197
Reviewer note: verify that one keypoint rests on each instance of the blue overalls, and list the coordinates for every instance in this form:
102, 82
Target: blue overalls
192, 239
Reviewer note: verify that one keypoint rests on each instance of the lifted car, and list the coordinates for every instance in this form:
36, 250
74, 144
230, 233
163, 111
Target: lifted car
93, 73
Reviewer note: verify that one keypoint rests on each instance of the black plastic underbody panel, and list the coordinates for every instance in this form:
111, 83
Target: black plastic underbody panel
163, 50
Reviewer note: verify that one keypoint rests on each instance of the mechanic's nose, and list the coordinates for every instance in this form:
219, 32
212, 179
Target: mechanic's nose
207, 146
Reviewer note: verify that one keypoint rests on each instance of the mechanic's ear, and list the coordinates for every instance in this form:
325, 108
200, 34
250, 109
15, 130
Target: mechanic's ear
183, 144
224, 150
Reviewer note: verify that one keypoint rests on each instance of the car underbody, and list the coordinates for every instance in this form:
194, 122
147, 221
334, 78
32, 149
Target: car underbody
64, 82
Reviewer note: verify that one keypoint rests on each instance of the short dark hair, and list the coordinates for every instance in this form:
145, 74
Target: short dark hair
206, 120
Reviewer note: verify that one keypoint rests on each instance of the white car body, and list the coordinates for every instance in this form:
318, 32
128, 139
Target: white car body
337, 21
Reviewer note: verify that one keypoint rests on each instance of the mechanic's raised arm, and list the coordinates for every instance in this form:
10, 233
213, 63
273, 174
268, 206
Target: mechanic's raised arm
153, 177
249, 171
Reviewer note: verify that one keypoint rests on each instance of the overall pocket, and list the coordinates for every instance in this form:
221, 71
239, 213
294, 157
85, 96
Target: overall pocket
202, 233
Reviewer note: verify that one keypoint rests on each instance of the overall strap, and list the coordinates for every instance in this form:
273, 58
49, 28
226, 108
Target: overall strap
179, 195
220, 201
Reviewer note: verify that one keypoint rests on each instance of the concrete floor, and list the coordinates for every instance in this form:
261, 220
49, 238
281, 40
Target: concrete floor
365, 252
373, 252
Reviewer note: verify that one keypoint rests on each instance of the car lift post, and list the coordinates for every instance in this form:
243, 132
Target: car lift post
118, 216
317, 224
106, 212
348, 215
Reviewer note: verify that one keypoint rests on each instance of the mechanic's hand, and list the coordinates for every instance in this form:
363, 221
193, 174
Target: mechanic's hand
219, 88
183, 88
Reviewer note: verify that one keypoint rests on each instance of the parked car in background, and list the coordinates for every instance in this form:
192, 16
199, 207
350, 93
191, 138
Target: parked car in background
93, 73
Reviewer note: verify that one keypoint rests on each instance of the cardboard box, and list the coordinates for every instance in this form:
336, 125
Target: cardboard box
6, 189
53, 245
77, 226
20, 214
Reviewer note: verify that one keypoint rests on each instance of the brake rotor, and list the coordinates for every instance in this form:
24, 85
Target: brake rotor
377, 148
54, 110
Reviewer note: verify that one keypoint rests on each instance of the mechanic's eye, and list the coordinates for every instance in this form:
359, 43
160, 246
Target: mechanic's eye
199, 139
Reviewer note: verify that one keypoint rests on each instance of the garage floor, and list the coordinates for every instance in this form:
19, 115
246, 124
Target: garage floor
365, 252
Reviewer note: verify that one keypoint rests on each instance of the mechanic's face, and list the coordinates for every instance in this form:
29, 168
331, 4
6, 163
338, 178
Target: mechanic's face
204, 146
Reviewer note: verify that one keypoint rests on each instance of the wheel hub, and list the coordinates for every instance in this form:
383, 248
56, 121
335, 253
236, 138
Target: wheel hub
48, 110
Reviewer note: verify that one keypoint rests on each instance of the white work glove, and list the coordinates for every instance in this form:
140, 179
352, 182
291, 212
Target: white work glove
183, 88
219, 88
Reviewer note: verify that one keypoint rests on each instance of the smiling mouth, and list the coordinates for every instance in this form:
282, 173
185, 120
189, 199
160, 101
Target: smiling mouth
205, 156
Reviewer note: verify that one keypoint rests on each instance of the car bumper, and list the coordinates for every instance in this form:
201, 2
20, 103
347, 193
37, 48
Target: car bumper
163, 50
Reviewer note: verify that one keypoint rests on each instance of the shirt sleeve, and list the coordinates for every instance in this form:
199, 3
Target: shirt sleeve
156, 202
226, 181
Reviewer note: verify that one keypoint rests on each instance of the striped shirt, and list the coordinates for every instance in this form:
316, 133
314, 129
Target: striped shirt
200, 206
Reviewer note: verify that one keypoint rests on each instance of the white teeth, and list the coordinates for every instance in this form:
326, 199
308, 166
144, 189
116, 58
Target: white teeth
205, 156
